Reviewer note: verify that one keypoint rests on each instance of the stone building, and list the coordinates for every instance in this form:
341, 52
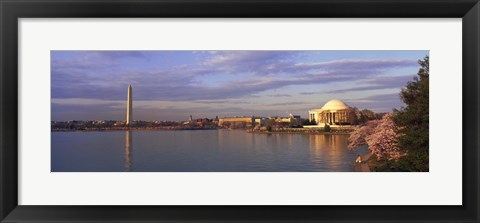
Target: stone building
237, 122
334, 113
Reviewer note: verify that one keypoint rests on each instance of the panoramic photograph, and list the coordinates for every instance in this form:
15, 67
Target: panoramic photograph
240, 111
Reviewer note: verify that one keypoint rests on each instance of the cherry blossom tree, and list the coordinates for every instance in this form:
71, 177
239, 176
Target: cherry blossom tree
380, 136
358, 136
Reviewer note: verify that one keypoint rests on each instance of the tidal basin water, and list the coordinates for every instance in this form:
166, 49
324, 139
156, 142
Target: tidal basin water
199, 151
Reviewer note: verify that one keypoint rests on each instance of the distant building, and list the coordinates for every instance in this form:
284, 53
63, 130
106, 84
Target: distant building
334, 113
260, 121
202, 121
291, 119
236, 122
264, 121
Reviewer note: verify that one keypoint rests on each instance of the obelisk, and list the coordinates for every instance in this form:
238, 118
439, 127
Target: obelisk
129, 106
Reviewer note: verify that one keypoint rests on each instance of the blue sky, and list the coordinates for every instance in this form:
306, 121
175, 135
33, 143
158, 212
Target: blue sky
171, 85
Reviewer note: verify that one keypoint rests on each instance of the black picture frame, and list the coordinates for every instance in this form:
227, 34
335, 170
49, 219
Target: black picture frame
12, 10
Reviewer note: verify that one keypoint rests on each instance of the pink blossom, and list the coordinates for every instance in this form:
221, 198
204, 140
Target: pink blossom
379, 135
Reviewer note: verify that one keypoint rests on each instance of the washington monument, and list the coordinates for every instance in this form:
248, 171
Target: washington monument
129, 106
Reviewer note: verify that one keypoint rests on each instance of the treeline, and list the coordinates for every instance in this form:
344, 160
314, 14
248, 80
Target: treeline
108, 124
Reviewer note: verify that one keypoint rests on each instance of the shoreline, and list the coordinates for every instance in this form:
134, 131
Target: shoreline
127, 129
303, 133
200, 129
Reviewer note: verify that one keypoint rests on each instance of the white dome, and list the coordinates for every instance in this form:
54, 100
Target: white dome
334, 105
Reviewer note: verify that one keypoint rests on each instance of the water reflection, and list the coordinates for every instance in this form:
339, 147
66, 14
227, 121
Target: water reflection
200, 151
128, 151
329, 151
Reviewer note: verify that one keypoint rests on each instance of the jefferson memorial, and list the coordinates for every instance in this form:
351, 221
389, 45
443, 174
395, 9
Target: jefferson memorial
334, 113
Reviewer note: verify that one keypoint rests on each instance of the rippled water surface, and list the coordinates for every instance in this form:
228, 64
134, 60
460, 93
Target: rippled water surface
199, 151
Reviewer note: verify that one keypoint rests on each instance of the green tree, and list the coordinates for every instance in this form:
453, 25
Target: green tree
362, 116
327, 128
412, 121
369, 115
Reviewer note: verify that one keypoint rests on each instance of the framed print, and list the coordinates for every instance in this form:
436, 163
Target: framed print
239, 111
